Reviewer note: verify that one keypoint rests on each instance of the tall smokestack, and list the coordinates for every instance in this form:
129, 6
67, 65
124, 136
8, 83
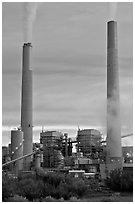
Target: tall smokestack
26, 105
114, 150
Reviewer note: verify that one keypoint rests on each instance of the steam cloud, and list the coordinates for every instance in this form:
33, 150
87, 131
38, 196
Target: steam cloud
30, 10
113, 10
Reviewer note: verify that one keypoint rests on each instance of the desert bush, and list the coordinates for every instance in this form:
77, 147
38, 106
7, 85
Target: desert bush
78, 188
73, 199
22, 176
17, 198
92, 183
30, 188
127, 181
48, 199
8, 187
40, 173
114, 180
120, 180
61, 191
38, 186
53, 178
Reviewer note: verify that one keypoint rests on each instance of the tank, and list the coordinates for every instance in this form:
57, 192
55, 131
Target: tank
17, 148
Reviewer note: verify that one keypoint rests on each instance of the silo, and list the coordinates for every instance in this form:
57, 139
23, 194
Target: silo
17, 148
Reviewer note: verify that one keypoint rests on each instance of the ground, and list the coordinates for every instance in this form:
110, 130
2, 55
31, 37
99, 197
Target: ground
115, 197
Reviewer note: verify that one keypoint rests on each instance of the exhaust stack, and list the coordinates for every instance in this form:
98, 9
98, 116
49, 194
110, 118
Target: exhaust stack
114, 150
26, 104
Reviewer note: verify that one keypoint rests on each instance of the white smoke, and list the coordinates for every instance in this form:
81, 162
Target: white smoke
113, 10
30, 11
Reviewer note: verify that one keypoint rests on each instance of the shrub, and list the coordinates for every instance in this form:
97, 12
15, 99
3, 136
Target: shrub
92, 183
17, 198
40, 173
73, 199
38, 186
114, 180
77, 188
120, 180
48, 190
61, 191
53, 178
22, 176
8, 187
61, 199
127, 181
30, 188
48, 199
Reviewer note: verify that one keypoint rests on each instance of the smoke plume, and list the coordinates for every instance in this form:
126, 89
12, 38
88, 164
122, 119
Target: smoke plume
113, 10
30, 10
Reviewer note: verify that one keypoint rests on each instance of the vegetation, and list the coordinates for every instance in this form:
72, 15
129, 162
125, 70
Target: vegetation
45, 187
120, 180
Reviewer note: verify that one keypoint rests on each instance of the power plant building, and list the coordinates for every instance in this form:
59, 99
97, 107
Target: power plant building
88, 140
52, 144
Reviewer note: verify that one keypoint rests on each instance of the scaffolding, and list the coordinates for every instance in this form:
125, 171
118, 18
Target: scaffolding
89, 143
52, 145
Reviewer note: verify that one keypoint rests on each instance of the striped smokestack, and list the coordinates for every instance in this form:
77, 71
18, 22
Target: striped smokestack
26, 105
114, 150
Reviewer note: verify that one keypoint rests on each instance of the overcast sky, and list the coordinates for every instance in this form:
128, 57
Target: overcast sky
69, 66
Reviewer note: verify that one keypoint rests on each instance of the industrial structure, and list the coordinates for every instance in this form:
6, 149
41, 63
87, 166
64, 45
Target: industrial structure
52, 156
26, 104
114, 150
55, 147
88, 142
17, 148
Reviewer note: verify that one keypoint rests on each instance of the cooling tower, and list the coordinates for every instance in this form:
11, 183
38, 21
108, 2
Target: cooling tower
114, 150
26, 104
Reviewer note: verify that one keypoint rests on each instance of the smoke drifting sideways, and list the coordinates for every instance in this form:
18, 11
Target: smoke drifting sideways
113, 10
30, 12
